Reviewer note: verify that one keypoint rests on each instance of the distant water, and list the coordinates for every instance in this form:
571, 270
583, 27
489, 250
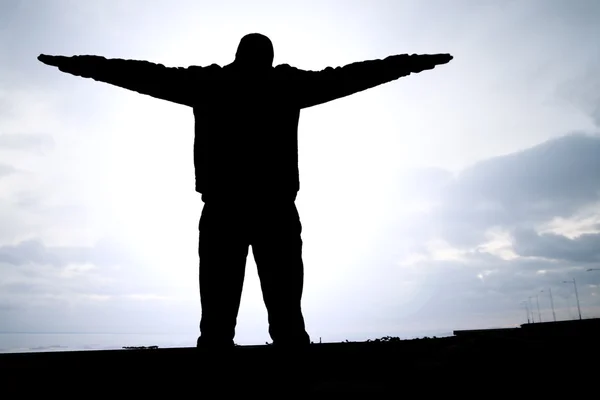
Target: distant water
43, 342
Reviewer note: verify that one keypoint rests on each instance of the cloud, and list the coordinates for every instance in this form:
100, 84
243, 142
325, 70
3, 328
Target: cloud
494, 234
555, 184
583, 90
25, 141
6, 170
554, 179
472, 292
583, 249
104, 253
34, 273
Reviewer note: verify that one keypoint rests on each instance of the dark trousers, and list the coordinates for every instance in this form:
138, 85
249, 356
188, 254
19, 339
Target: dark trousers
227, 229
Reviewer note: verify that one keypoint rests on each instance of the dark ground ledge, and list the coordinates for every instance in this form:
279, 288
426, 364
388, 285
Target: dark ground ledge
551, 358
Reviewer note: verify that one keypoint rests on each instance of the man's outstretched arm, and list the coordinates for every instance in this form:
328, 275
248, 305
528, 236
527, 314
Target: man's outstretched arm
156, 80
318, 87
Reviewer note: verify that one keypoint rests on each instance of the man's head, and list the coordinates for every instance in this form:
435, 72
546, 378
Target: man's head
255, 51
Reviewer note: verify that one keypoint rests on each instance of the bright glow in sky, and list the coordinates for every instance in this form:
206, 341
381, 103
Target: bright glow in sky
428, 204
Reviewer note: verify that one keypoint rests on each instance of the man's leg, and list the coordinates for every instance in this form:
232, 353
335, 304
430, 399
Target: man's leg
223, 248
277, 248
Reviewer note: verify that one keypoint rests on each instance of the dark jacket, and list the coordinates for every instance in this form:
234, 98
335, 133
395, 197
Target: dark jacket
246, 122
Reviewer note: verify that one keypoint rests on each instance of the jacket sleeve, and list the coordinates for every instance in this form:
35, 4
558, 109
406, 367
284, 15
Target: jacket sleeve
317, 87
167, 83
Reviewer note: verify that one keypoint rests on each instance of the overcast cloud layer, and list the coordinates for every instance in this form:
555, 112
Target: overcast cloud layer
438, 202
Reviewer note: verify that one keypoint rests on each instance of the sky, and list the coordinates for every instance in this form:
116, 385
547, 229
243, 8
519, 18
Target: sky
444, 200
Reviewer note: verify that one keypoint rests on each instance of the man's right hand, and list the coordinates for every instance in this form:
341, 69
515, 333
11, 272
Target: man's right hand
76, 65
55, 61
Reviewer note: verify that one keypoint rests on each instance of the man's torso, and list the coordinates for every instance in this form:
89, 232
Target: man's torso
246, 134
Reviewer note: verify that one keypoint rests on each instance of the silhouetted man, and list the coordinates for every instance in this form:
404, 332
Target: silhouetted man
246, 163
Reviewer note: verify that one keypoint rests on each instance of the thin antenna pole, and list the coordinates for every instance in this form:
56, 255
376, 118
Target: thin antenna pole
552, 304
577, 297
